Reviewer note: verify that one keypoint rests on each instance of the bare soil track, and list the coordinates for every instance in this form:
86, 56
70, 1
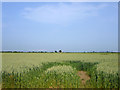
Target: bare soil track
84, 77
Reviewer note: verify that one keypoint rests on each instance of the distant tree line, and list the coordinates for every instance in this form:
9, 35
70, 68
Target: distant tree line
59, 51
29, 51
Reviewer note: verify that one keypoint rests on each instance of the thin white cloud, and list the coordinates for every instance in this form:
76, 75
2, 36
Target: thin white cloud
61, 12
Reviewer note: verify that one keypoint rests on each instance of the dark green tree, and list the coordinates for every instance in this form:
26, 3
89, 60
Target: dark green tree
55, 51
60, 51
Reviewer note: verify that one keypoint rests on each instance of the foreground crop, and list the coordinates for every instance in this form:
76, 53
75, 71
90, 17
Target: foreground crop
60, 75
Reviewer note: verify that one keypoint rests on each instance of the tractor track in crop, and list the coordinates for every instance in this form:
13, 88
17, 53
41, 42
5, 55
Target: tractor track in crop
84, 77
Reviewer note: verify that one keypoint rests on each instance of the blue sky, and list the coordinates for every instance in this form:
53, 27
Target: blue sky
52, 26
